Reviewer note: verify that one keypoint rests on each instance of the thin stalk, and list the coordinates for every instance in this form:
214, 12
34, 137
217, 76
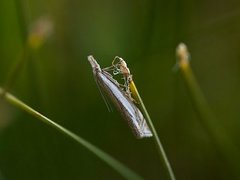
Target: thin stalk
16, 69
163, 156
113, 163
208, 120
21, 20
20, 63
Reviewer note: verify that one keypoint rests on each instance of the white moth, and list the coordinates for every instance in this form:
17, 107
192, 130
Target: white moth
121, 100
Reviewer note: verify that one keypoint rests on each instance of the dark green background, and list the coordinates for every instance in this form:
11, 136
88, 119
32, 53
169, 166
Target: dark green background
58, 82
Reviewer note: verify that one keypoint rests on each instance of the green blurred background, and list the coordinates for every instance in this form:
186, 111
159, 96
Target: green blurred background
58, 82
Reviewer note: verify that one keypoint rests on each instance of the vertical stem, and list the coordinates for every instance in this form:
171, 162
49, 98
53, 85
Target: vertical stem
163, 156
21, 20
16, 69
209, 122
19, 64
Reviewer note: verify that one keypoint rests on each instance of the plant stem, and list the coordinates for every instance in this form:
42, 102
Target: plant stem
209, 122
16, 69
21, 20
21, 62
118, 166
163, 156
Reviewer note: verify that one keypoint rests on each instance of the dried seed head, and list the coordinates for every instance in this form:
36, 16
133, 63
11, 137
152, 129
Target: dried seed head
40, 30
183, 55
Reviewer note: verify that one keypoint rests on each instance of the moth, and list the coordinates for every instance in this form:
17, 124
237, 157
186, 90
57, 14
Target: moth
121, 99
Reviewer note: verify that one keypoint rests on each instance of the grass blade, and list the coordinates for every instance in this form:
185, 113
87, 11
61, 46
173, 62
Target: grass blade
207, 119
167, 166
113, 163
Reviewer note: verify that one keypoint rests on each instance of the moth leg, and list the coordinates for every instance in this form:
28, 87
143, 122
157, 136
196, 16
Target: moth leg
114, 69
110, 68
114, 60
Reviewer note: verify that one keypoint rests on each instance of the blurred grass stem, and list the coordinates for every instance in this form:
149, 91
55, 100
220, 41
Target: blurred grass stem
163, 156
207, 119
21, 20
16, 69
19, 64
113, 163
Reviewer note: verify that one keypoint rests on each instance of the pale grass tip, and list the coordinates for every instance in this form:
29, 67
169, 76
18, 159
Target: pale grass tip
183, 55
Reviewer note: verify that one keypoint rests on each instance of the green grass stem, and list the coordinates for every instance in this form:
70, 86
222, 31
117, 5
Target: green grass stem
113, 163
166, 164
21, 62
207, 119
16, 69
